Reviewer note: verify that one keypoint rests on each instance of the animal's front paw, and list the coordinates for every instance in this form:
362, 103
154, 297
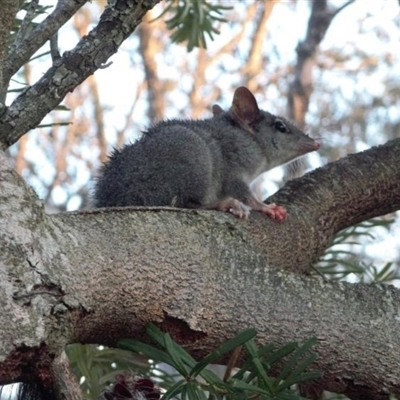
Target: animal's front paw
234, 206
238, 209
275, 212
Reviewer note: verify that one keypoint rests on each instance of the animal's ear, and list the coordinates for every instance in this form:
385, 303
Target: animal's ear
244, 109
217, 110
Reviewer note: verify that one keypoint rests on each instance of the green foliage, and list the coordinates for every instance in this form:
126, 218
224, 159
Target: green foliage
339, 261
252, 380
191, 20
95, 366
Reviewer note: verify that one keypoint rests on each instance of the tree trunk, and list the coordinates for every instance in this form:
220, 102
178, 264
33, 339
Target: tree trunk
96, 277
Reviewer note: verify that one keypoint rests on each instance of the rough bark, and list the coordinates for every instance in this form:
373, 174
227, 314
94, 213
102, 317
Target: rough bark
25, 47
65, 383
9, 9
115, 25
95, 277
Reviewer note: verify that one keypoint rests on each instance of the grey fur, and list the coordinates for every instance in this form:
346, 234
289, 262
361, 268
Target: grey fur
201, 163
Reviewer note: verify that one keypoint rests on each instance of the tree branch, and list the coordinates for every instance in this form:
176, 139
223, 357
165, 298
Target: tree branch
26, 47
92, 51
342, 7
9, 9
98, 276
65, 382
353, 189
21, 33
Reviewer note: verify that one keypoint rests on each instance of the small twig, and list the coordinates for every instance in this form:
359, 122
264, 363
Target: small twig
104, 66
28, 45
35, 293
320, 273
55, 53
30, 14
337, 11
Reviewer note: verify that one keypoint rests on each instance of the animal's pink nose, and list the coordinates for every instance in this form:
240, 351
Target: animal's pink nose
316, 145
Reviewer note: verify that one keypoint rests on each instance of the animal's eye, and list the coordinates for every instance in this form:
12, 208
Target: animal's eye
280, 126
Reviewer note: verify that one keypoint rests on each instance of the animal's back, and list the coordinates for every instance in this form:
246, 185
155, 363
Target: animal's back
171, 165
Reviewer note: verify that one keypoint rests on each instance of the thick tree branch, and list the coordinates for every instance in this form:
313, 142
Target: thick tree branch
92, 51
353, 189
99, 276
